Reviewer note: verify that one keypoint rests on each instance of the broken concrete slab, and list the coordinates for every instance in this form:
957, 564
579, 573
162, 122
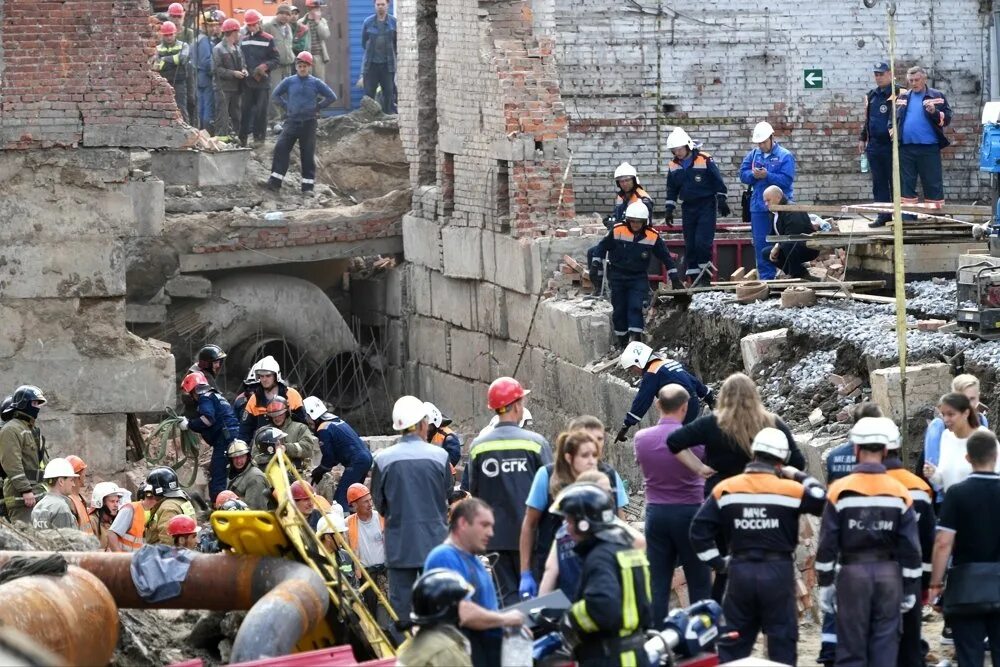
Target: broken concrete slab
925, 384
90, 267
491, 309
143, 313
188, 287
147, 206
421, 244
512, 263
200, 168
761, 347
462, 250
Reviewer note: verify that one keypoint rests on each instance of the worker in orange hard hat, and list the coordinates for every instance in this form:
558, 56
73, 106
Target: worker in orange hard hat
302, 495
185, 531
366, 537
502, 477
76, 500
225, 497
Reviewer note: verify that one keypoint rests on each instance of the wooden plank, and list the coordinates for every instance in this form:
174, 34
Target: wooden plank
868, 298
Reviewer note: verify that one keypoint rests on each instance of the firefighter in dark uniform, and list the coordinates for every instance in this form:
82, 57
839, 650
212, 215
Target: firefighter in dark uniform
217, 425
758, 514
629, 246
656, 374
911, 653
607, 621
694, 178
870, 528
875, 141
210, 359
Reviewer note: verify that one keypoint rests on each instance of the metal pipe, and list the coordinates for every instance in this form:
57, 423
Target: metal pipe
285, 598
72, 615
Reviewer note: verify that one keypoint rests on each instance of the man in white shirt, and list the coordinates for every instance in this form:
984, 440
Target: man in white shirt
366, 537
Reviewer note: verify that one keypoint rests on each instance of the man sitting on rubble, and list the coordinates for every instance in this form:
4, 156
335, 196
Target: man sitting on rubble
790, 256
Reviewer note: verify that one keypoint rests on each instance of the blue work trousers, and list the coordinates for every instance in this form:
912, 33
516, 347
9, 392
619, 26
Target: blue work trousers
868, 618
354, 473
629, 296
923, 160
668, 545
206, 107
760, 227
218, 468
698, 219
880, 166
760, 597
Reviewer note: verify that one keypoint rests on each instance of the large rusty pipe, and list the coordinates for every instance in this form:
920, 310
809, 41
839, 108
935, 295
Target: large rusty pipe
285, 598
72, 615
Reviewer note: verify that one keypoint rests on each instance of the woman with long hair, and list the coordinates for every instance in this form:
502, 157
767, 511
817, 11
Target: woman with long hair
962, 384
960, 420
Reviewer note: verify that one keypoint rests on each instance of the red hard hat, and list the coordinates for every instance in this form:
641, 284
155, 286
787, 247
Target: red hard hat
175, 9
252, 17
305, 57
299, 490
356, 491
503, 392
77, 463
225, 496
191, 380
168, 28
313, 3
181, 525
229, 25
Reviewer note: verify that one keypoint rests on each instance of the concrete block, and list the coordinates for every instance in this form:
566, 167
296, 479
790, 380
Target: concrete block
582, 391
189, 287
429, 341
463, 252
368, 299
395, 342
925, 384
455, 396
98, 439
200, 169
491, 309
760, 347
470, 355
454, 300
377, 443
578, 331
147, 205
421, 243
89, 267
519, 308
512, 263
141, 313
418, 289
394, 279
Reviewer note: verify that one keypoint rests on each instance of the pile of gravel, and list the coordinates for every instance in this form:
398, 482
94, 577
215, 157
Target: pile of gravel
934, 298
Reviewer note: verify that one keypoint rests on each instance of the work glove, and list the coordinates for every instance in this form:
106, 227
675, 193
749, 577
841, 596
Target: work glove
709, 399
828, 599
723, 206
527, 588
183, 424
909, 601
622, 434
669, 219
317, 474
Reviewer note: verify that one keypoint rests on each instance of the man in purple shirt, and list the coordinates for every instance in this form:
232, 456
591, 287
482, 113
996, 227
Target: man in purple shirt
673, 495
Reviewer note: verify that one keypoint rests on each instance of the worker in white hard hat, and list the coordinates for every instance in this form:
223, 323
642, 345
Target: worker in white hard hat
656, 373
629, 246
757, 515
767, 164
694, 179
54, 509
411, 481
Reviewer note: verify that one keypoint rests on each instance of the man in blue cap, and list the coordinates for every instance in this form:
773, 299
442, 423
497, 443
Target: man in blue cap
875, 140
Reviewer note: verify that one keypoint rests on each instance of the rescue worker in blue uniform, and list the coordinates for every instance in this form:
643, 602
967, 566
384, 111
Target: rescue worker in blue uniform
441, 434
216, 423
629, 191
606, 624
768, 164
922, 113
656, 374
875, 141
694, 178
869, 527
339, 444
629, 246
757, 513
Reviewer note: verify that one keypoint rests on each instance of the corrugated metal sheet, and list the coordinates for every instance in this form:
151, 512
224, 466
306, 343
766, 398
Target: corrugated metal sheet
357, 12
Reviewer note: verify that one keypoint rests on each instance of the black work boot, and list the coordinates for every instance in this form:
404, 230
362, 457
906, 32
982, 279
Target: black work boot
623, 341
635, 336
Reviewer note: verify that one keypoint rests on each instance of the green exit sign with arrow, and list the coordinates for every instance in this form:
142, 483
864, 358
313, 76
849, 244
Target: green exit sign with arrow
813, 78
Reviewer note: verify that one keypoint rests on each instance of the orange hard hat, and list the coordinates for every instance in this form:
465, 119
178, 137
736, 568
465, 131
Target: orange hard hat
305, 57
168, 28
299, 490
504, 391
230, 25
357, 491
191, 380
252, 17
181, 525
175, 9
224, 497
77, 463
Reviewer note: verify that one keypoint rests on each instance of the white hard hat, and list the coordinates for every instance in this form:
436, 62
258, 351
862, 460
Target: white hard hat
677, 138
526, 418
59, 468
875, 431
102, 490
624, 170
408, 411
771, 441
636, 354
434, 415
314, 407
252, 374
267, 365
237, 448
331, 523
637, 210
762, 132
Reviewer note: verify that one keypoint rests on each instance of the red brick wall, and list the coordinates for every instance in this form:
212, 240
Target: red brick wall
77, 73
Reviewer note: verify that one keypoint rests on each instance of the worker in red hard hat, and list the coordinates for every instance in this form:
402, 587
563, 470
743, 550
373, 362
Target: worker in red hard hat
176, 14
216, 423
229, 70
184, 530
261, 57
502, 465
303, 499
173, 59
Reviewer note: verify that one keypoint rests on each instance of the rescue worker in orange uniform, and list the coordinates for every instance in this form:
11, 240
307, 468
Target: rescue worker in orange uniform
271, 385
125, 533
76, 500
366, 537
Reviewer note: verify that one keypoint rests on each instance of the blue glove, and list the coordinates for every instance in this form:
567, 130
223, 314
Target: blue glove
527, 588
